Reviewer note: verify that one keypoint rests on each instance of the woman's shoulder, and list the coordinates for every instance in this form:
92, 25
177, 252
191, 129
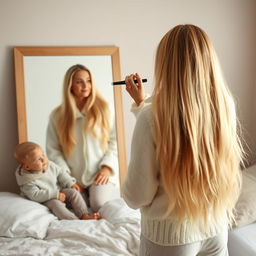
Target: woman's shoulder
146, 112
55, 114
145, 116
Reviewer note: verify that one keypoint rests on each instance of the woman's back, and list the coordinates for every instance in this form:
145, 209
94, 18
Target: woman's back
195, 126
185, 148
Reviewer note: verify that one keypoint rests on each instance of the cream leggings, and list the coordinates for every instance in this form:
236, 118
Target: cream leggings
214, 246
97, 195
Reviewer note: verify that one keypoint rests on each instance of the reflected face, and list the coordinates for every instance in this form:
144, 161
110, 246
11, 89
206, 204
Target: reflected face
81, 85
36, 160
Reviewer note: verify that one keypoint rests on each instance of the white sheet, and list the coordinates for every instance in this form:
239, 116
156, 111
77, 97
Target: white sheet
117, 234
242, 241
106, 237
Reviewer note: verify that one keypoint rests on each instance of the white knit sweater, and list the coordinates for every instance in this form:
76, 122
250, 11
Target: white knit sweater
143, 189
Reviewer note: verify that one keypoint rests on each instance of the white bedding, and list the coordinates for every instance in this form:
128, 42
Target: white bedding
242, 241
117, 234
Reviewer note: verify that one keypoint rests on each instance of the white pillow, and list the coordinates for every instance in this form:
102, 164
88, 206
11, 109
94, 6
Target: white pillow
20, 217
245, 210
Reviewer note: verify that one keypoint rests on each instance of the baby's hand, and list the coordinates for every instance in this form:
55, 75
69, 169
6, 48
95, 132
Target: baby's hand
62, 197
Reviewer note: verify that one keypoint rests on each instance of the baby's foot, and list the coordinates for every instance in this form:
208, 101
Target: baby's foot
95, 216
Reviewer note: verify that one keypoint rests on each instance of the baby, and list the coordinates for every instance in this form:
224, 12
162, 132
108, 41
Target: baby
45, 182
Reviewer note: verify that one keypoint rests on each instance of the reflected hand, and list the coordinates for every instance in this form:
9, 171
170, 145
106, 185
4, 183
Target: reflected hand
103, 176
62, 197
136, 90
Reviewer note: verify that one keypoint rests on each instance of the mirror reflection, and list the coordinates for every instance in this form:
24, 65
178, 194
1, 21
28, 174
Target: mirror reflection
46, 75
81, 137
40, 75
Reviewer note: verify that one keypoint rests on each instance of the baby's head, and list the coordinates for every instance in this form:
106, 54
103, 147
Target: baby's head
31, 156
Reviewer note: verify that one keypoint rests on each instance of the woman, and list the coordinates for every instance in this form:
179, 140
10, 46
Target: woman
81, 137
185, 156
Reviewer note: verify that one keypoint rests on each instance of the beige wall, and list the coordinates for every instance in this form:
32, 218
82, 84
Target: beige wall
136, 26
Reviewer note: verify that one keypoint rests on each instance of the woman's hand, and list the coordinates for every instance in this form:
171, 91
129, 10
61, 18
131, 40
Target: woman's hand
136, 90
62, 197
78, 187
103, 176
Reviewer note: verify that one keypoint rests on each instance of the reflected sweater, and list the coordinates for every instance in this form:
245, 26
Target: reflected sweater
144, 189
87, 157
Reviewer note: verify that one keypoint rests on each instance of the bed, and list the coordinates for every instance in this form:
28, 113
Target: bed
242, 241
28, 228
242, 238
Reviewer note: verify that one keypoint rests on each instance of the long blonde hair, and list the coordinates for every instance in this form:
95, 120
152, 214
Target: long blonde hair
96, 110
195, 129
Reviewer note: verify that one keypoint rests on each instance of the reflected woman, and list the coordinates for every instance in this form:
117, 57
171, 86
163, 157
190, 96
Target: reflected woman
81, 137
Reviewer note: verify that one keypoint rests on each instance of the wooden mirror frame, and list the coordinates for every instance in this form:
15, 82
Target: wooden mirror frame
113, 51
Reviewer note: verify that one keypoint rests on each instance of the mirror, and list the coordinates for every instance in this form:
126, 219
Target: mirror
39, 74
